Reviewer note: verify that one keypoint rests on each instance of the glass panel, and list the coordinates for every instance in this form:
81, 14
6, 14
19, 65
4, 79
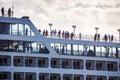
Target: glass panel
16, 29
75, 49
98, 52
20, 29
81, 49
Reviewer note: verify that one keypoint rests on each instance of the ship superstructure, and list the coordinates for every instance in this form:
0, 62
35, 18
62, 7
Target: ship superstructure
25, 54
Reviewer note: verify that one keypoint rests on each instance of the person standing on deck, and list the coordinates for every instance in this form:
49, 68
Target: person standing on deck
2, 11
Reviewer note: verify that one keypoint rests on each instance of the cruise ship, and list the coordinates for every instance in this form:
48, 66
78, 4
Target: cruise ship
27, 54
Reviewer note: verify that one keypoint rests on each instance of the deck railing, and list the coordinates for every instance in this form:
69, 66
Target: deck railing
83, 37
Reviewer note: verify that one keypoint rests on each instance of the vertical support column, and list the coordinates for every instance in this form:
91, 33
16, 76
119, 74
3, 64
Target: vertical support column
72, 64
49, 75
24, 61
37, 76
24, 46
60, 63
49, 62
12, 61
61, 76
94, 51
94, 65
11, 29
84, 77
107, 77
84, 66
24, 30
71, 49
49, 66
12, 74
100, 51
30, 32
60, 49
117, 52
95, 77
118, 68
72, 76
106, 66
18, 30
78, 49
36, 62
66, 49
24, 76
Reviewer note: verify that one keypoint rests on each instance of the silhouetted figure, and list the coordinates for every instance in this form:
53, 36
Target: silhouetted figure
59, 33
68, 35
9, 12
39, 30
105, 37
72, 35
55, 32
43, 32
2, 11
111, 38
95, 37
46, 33
80, 36
98, 37
63, 34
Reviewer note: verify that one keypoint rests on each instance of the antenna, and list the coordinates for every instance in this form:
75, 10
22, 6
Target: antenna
12, 8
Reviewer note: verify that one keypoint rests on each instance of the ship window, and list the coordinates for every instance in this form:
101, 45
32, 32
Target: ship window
42, 62
111, 66
99, 65
76, 65
18, 61
67, 77
54, 62
90, 77
78, 77
16, 29
17, 77
43, 76
30, 76
98, 51
113, 78
75, 49
66, 64
80, 49
5, 75
4, 61
29, 62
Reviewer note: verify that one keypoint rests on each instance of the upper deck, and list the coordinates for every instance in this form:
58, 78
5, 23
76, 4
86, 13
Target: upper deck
27, 54
22, 33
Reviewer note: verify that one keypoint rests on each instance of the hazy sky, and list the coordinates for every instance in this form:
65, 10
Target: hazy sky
85, 14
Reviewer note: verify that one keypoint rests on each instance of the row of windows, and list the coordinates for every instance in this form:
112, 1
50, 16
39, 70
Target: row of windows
23, 46
59, 63
62, 49
16, 29
51, 76
86, 50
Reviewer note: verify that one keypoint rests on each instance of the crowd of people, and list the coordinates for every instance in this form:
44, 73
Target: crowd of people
9, 12
67, 35
59, 34
106, 37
